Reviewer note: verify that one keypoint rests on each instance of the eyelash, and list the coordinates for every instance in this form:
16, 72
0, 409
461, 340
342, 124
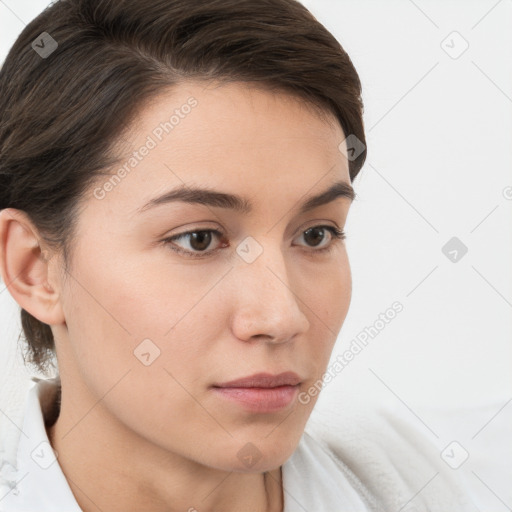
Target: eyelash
337, 234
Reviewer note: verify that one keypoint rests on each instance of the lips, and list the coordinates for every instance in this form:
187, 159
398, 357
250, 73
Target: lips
262, 380
262, 392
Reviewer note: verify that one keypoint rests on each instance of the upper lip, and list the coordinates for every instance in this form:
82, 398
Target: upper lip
263, 380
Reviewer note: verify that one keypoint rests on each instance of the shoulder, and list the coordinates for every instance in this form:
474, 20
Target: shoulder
13, 403
314, 478
399, 467
26, 475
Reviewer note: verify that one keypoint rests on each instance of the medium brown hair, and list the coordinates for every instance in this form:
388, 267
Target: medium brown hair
60, 116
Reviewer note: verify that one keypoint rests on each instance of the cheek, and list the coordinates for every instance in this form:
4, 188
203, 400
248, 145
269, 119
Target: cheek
114, 335
143, 308
143, 293
327, 301
328, 292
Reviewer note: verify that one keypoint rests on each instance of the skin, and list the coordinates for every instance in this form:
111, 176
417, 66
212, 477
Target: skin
134, 437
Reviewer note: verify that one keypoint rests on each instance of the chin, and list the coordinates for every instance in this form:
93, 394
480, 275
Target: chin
258, 454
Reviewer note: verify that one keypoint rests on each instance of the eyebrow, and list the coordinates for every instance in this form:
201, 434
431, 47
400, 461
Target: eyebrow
209, 197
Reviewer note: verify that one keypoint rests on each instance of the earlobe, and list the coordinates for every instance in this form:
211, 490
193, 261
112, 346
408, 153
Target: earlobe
24, 269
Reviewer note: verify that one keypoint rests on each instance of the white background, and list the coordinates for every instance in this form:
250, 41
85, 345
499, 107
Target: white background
439, 134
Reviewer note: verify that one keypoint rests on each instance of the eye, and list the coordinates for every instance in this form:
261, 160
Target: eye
198, 242
315, 236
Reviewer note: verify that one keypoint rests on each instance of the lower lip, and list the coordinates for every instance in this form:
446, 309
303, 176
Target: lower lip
260, 399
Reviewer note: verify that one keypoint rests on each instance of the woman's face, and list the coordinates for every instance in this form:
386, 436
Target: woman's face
152, 326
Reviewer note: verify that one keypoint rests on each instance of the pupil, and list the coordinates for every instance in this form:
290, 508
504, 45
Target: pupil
317, 231
200, 240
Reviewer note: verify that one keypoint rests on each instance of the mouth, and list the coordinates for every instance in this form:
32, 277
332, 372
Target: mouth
262, 392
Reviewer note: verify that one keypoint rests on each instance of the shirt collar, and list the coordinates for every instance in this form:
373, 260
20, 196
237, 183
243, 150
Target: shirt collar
40, 482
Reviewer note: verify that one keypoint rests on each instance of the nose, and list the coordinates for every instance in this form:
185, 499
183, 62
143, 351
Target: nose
266, 304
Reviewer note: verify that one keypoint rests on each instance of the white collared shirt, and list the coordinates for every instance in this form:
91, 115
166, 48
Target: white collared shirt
313, 480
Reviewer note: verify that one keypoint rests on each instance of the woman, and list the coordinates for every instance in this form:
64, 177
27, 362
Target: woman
176, 176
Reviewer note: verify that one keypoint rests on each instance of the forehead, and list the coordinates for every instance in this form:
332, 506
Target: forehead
215, 109
233, 136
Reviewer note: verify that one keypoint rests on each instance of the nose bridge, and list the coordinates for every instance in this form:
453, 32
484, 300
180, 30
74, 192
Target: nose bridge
266, 304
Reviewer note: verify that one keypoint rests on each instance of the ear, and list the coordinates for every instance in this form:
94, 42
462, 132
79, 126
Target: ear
24, 269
